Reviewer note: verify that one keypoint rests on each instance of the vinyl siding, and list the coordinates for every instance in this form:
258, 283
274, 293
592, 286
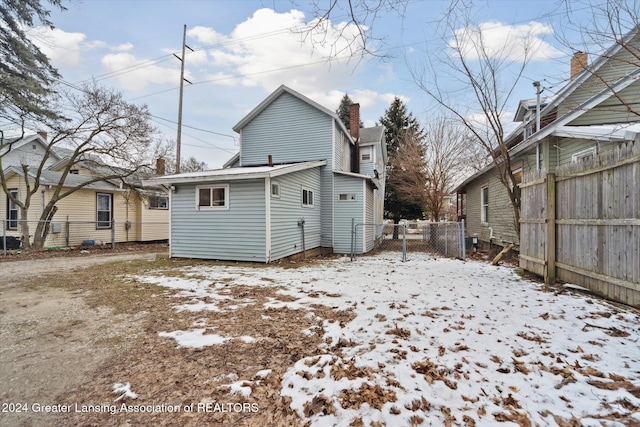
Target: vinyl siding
289, 130
501, 218
619, 66
153, 223
345, 211
617, 109
287, 210
369, 218
234, 234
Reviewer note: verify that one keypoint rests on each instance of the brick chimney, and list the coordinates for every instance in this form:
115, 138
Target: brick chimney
160, 169
579, 62
354, 130
43, 134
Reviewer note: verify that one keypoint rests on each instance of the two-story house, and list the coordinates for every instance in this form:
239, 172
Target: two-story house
298, 183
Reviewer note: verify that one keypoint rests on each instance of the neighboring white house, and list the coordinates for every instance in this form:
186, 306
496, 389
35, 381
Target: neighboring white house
140, 215
298, 182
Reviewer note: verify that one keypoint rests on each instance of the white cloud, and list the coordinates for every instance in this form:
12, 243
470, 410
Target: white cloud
62, 48
138, 78
498, 40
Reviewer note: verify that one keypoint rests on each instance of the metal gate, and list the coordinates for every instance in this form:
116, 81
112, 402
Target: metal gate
444, 238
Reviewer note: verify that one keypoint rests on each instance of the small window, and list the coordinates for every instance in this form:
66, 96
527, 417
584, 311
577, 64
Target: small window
366, 154
275, 190
307, 198
212, 197
104, 210
74, 171
347, 197
158, 202
12, 211
484, 213
584, 155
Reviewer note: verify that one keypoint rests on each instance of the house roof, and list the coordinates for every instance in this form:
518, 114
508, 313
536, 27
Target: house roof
231, 174
231, 161
367, 178
274, 95
49, 177
374, 135
17, 142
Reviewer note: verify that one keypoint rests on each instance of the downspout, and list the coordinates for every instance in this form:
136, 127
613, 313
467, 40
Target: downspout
301, 224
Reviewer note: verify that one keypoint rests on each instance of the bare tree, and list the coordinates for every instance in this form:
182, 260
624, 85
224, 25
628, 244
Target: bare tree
448, 148
487, 72
104, 134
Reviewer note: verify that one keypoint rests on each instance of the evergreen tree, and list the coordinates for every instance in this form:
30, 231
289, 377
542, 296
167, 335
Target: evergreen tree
26, 75
343, 111
406, 183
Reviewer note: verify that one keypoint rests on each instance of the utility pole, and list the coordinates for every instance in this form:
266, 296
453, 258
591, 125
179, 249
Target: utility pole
182, 80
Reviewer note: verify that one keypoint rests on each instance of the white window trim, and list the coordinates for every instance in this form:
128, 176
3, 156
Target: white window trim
589, 152
225, 187
350, 197
275, 195
157, 207
483, 216
313, 197
367, 149
15, 193
98, 221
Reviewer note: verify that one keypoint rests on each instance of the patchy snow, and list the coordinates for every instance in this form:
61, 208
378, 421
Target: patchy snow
124, 390
195, 338
438, 340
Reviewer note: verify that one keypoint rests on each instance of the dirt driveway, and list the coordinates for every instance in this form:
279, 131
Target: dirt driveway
51, 339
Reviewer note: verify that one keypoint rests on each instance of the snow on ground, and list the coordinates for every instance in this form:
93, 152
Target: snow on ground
437, 341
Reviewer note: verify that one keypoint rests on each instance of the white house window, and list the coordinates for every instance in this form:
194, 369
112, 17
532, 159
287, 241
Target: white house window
584, 155
12, 211
158, 202
307, 197
366, 154
104, 210
275, 190
484, 200
212, 197
347, 197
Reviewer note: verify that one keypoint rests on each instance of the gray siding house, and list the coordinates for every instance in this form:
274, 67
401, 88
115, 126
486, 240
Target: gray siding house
296, 184
588, 116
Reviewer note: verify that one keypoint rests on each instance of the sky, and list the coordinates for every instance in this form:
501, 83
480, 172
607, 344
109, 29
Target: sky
243, 50
431, 337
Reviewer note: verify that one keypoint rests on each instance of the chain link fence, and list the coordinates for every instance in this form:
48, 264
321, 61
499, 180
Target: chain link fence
444, 238
64, 234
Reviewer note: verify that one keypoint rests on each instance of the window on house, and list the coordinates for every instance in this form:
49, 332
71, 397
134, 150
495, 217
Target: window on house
307, 197
584, 155
366, 154
158, 202
104, 210
214, 197
347, 197
484, 200
275, 190
74, 171
12, 211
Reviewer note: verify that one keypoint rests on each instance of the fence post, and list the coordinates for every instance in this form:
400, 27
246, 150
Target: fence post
463, 241
550, 248
404, 242
353, 239
68, 232
113, 233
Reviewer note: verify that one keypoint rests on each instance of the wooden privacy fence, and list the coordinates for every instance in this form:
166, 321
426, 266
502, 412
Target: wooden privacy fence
582, 224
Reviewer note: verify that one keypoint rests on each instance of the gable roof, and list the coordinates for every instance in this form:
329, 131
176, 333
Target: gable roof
49, 177
230, 174
275, 95
19, 142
